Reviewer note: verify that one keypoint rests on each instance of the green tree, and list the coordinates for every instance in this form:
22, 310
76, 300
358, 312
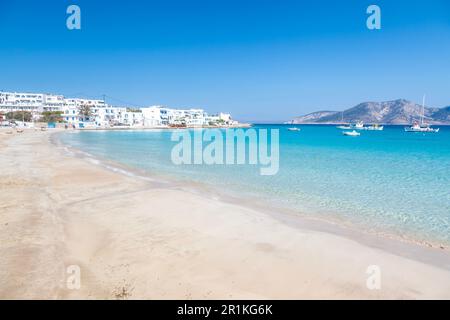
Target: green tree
134, 110
51, 116
19, 116
85, 112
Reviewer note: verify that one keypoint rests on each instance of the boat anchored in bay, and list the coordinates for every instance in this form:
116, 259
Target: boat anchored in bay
353, 133
374, 127
421, 126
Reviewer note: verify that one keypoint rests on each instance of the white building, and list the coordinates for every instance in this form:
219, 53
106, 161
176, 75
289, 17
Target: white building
226, 117
36, 103
220, 119
71, 111
212, 119
52, 102
195, 117
160, 116
107, 116
103, 115
155, 116
14, 101
131, 117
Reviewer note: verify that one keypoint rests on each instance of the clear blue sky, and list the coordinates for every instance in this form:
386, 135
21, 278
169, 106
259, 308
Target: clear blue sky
259, 60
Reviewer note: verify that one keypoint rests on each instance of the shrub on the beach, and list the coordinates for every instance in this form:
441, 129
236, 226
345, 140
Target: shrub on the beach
19, 116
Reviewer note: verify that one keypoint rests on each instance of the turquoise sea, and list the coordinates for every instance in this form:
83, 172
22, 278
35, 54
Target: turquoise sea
389, 182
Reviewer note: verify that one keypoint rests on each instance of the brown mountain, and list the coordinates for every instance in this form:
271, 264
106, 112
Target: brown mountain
390, 112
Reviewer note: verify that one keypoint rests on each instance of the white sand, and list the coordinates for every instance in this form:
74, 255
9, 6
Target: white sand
134, 240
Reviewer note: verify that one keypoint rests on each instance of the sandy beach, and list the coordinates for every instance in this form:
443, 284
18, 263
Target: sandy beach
137, 239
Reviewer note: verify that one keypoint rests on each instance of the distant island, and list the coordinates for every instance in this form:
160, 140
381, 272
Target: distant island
399, 112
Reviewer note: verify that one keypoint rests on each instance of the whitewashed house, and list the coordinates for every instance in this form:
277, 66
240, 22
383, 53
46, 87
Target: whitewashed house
131, 117
35, 103
103, 115
155, 116
71, 112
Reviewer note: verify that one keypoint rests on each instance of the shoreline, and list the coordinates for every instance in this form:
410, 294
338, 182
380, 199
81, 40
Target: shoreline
368, 123
159, 241
278, 210
137, 128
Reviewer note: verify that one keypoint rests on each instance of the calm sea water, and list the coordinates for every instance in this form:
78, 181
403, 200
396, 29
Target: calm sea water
389, 182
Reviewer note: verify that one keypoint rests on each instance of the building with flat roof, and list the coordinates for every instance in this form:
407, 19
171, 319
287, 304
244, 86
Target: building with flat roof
94, 112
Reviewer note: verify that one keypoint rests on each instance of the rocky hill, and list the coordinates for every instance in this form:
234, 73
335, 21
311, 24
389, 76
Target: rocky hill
390, 112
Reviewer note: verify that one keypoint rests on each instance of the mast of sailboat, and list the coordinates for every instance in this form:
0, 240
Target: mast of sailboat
423, 110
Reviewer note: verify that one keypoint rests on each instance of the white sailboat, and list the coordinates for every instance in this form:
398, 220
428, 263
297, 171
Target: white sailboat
343, 126
421, 126
359, 125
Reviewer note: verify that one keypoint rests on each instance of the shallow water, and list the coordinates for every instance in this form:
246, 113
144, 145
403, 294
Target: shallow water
389, 182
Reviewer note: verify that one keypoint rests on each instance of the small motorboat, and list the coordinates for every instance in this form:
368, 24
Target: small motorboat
358, 125
294, 129
374, 127
351, 133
